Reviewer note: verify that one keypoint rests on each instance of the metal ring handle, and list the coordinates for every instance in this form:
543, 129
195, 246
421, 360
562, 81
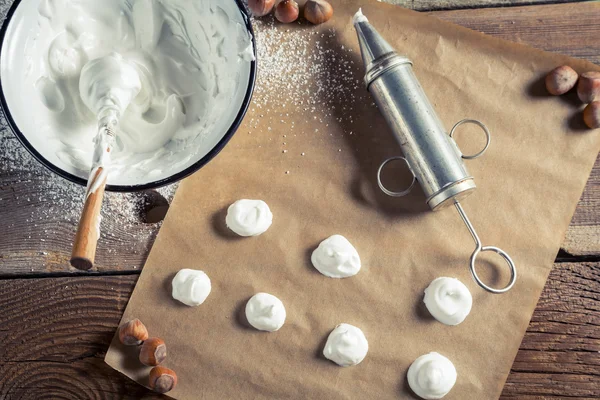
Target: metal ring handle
485, 130
509, 261
390, 192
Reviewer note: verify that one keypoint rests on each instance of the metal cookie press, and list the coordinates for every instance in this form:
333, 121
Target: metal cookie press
430, 152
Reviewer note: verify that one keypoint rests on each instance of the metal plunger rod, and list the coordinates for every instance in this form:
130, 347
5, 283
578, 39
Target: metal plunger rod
467, 222
479, 248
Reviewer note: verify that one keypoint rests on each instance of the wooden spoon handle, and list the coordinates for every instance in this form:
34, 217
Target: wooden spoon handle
88, 231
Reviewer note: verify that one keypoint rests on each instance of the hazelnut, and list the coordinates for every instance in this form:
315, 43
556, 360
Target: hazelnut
591, 115
162, 379
588, 88
153, 352
260, 8
133, 332
287, 11
560, 80
318, 11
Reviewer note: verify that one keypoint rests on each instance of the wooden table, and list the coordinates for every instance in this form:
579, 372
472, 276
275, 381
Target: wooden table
56, 323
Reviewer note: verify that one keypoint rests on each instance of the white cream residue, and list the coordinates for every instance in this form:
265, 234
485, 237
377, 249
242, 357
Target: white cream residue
431, 376
448, 300
191, 287
359, 17
249, 217
265, 312
336, 257
100, 161
185, 52
346, 345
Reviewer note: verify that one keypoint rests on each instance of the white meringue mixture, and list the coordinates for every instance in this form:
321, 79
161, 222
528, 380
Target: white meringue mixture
336, 258
448, 300
346, 345
265, 312
191, 287
249, 217
192, 59
107, 86
431, 376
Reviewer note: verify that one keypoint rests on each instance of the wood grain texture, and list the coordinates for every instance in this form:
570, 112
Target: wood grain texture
39, 211
560, 354
430, 5
54, 334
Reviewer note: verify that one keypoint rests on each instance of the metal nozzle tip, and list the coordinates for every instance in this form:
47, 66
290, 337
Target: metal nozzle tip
372, 45
359, 17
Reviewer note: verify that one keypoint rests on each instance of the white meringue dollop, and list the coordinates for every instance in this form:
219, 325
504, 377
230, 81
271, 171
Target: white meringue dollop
431, 376
336, 258
448, 300
265, 312
249, 217
346, 345
191, 287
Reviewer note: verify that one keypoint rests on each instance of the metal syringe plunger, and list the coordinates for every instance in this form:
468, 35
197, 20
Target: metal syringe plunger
431, 154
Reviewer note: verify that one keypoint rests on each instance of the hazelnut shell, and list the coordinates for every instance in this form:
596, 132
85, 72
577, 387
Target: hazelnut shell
287, 11
588, 88
591, 115
318, 11
153, 352
162, 380
133, 332
260, 8
560, 80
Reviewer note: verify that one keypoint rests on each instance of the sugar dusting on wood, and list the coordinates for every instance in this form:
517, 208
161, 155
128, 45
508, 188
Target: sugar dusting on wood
42, 211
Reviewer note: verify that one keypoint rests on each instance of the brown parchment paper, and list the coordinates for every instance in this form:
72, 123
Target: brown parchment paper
529, 183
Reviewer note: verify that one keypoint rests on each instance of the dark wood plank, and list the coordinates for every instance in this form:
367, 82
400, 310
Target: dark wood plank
41, 210
570, 29
430, 5
560, 354
55, 332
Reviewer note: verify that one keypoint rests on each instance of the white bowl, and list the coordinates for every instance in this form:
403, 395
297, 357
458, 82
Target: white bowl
21, 102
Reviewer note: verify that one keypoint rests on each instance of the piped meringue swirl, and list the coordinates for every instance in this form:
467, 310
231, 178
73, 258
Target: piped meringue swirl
346, 345
448, 300
431, 376
336, 258
265, 312
249, 217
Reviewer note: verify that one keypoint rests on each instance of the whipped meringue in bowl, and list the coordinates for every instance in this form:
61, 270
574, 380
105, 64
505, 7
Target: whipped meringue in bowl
336, 258
195, 63
265, 312
431, 376
346, 345
249, 217
448, 300
191, 287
